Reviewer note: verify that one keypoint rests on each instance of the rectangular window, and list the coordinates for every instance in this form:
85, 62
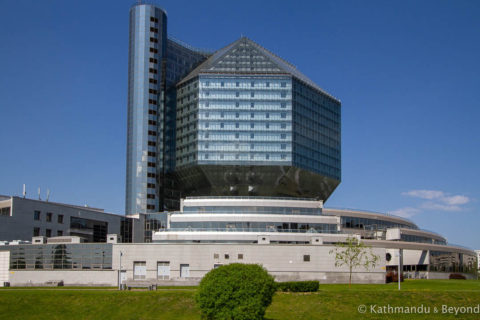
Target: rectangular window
48, 217
151, 185
240, 255
283, 115
153, 40
283, 136
237, 115
267, 115
283, 146
267, 84
237, 135
283, 125
237, 104
227, 256
151, 164
139, 270
152, 133
59, 233
150, 196
207, 83
306, 257
252, 125
153, 30
252, 84
222, 84
237, 94
48, 233
283, 105
163, 270
36, 215
5, 211
154, 112
184, 271
152, 143
150, 207
283, 84
252, 104
152, 122
237, 125
252, 94
237, 84
153, 50
222, 125
36, 231
152, 81
151, 175
152, 154
252, 135
60, 218
283, 94
153, 60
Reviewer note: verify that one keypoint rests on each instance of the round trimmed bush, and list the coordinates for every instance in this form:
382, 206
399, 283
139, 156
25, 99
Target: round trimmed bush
235, 291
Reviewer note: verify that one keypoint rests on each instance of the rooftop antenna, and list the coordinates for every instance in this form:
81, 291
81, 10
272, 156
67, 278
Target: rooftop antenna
24, 191
48, 194
39, 193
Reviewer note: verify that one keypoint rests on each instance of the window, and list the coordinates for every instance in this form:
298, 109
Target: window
152, 91
36, 215
240, 255
163, 270
59, 233
252, 125
267, 115
237, 104
252, 135
207, 125
283, 156
306, 257
237, 135
5, 211
150, 196
283, 84
153, 19
153, 60
152, 133
153, 30
283, 105
252, 146
267, 156
237, 156
152, 143
151, 185
48, 217
207, 114
252, 115
139, 270
154, 112
206, 145
48, 233
283, 146
222, 114
267, 125
283, 94
152, 122
152, 154
237, 84
207, 83
207, 135
237, 94
151, 175
283, 125
150, 207
216, 256
153, 50
237, 125
222, 84
184, 271
283, 115
206, 156
283, 136
151, 164
227, 256
237, 115
252, 94
221, 125
36, 231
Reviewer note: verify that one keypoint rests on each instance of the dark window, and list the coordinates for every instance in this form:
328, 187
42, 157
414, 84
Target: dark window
36, 215
152, 81
283, 105
252, 94
48, 217
240, 256
267, 115
152, 122
36, 231
153, 50
153, 30
154, 112
152, 133
153, 40
59, 233
237, 94
152, 154
150, 196
283, 84
151, 185
151, 164
237, 84
306, 257
48, 233
151, 175
151, 101
60, 218
152, 143
227, 256
152, 91
252, 105
268, 84
153, 60
150, 207
252, 84
152, 70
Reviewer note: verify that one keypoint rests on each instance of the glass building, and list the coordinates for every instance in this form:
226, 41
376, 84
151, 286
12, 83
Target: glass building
238, 122
250, 124
155, 65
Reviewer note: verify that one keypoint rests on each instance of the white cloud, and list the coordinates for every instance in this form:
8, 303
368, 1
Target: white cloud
406, 212
439, 200
436, 200
424, 194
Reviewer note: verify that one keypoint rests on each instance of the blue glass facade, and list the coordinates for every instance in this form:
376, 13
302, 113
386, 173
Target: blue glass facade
147, 47
155, 65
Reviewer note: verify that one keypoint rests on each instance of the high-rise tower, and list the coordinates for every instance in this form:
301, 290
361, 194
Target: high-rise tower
155, 65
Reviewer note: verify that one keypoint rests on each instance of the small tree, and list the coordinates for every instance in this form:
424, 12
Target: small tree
235, 292
353, 254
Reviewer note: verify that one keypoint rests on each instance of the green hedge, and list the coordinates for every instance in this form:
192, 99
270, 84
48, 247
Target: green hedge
235, 292
298, 286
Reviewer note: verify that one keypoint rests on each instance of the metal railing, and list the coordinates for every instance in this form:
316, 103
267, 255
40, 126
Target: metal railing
249, 230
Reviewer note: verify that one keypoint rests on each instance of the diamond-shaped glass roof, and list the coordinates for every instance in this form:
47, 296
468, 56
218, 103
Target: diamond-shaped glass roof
244, 56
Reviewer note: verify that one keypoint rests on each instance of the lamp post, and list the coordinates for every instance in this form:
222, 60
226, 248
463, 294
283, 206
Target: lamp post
120, 271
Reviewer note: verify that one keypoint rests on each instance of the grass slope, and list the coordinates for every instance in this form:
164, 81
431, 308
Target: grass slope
330, 302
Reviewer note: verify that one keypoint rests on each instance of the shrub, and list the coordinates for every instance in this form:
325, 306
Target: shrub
298, 286
235, 291
457, 276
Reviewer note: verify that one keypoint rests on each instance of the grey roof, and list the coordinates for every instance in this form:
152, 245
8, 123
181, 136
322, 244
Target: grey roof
245, 56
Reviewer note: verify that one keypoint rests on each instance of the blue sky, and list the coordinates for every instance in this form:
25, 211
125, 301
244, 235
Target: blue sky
407, 73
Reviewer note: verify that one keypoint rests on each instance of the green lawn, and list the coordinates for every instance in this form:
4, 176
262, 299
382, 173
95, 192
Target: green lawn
330, 302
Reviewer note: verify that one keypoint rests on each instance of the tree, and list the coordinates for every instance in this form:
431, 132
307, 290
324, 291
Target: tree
236, 292
353, 254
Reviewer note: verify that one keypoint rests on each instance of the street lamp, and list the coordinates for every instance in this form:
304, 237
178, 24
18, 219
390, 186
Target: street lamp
120, 272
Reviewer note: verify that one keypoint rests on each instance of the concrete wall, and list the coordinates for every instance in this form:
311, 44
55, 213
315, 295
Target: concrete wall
69, 277
4, 265
285, 262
